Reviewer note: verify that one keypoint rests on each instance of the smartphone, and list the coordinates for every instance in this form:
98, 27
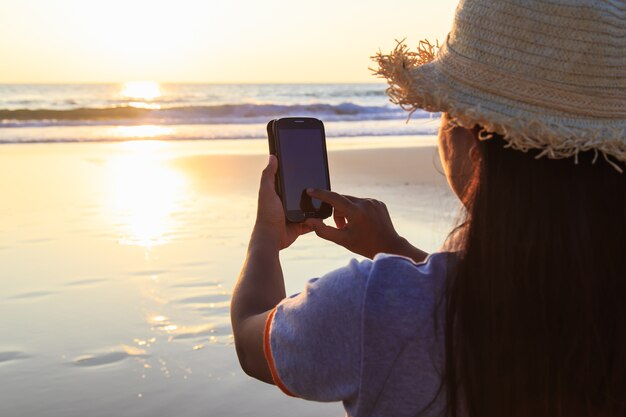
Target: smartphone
299, 143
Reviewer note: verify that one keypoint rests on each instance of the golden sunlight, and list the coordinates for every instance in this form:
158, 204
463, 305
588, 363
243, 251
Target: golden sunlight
141, 132
141, 90
145, 194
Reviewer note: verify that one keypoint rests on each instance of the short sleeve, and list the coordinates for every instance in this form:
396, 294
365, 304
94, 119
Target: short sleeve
313, 339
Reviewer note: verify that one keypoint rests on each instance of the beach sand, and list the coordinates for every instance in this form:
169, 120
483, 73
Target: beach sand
118, 261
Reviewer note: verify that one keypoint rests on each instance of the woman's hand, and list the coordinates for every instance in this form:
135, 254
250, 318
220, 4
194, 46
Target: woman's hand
363, 226
271, 225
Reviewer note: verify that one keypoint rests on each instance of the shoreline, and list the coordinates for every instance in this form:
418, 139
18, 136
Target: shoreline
252, 146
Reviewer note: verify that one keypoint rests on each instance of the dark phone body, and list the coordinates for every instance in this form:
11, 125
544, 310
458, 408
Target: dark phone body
299, 143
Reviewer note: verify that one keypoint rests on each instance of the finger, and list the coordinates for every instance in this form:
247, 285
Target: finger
313, 222
340, 221
304, 228
301, 228
334, 199
326, 232
268, 177
353, 199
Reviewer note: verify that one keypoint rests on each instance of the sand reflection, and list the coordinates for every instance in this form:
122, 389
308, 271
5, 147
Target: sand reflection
145, 194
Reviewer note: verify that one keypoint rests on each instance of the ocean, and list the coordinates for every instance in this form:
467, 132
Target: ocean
119, 254
48, 113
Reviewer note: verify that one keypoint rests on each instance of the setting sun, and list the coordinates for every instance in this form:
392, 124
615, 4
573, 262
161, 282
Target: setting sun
141, 90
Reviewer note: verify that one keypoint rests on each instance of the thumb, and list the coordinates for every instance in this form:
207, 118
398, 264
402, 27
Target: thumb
269, 173
326, 232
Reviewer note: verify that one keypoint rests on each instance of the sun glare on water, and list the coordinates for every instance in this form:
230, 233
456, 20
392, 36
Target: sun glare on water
141, 132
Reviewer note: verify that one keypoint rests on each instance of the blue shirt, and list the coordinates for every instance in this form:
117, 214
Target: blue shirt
369, 334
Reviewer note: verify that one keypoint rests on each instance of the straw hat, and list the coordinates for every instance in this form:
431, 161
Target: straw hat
544, 74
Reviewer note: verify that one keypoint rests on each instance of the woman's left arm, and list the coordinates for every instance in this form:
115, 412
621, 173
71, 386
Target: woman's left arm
260, 286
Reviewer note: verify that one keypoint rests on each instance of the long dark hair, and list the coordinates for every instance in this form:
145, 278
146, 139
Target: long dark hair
536, 305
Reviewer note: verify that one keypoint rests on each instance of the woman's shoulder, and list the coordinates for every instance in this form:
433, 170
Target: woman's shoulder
434, 263
386, 272
393, 271
398, 286
385, 287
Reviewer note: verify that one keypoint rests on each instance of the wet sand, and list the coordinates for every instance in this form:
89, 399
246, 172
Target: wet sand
118, 261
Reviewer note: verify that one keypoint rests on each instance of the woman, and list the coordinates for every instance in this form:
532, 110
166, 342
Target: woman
522, 314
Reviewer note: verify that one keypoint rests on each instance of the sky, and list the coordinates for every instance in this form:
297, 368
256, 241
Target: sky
243, 41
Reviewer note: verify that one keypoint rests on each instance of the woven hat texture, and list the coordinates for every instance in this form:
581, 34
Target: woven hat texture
544, 74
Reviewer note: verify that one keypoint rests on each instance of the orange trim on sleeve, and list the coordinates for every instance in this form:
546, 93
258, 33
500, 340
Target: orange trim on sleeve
267, 351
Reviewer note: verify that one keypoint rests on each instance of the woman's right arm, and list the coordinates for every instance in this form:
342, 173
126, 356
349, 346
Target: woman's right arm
363, 227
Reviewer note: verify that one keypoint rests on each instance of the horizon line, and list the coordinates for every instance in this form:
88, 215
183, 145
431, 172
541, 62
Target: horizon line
188, 82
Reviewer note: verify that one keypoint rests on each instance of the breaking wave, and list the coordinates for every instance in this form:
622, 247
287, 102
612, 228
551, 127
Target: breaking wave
215, 114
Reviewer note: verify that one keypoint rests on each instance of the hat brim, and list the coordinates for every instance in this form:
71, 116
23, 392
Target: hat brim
423, 80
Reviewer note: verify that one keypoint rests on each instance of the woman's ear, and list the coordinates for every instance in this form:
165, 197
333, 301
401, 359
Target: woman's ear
474, 153
459, 150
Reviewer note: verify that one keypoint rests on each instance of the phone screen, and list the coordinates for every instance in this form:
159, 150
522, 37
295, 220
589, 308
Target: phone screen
303, 164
